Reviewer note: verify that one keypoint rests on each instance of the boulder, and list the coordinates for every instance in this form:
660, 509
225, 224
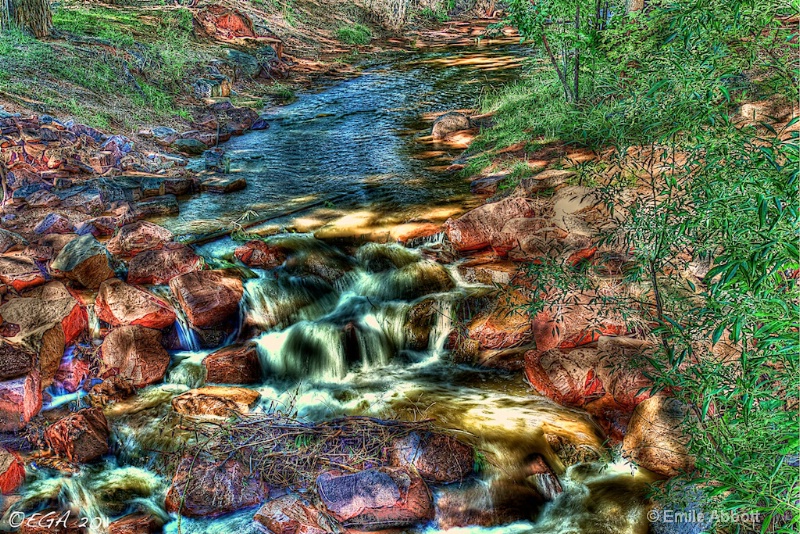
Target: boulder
119, 304
191, 147
504, 326
244, 64
80, 437
136, 523
237, 364
206, 487
54, 223
218, 401
15, 360
10, 241
157, 206
437, 457
20, 400
12, 471
135, 353
482, 227
20, 271
449, 123
208, 298
137, 237
84, 260
568, 377
376, 499
98, 227
656, 439
291, 514
258, 253
162, 265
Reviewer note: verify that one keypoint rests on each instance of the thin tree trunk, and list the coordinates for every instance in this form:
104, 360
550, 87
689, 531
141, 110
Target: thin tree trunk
556, 66
32, 16
577, 55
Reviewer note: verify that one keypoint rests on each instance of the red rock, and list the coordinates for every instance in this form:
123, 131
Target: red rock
138, 523
206, 487
112, 389
209, 298
161, 266
20, 400
217, 401
437, 457
71, 374
225, 23
137, 237
483, 226
237, 364
502, 327
376, 499
84, 260
291, 514
118, 304
20, 271
80, 437
135, 353
581, 255
12, 471
257, 253
54, 223
569, 378
547, 332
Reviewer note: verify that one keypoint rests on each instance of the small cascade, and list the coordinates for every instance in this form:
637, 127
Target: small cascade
305, 350
188, 369
445, 309
271, 301
94, 322
187, 337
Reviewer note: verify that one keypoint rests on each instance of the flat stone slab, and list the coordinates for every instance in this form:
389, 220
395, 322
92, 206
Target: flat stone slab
223, 184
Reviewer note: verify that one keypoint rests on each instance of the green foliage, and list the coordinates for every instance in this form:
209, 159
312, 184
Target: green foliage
662, 88
439, 15
354, 34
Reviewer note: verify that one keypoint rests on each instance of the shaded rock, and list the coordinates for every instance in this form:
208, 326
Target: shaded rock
223, 184
449, 123
544, 478
209, 87
488, 185
569, 453
483, 226
502, 327
471, 504
157, 206
209, 298
376, 499
12, 471
15, 360
258, 253
543, 181
655, 438
237, 364
162, 265
419, 322
191, 147
244, 64
568, 377
220, 401
205, 487
137, 523
84, 260
20, 271
70, 374
11, 241
98, 227
137, 237
118, 304
80, 437
291, 514
54, 223
110, 390
437, 457
135, 353
20, 400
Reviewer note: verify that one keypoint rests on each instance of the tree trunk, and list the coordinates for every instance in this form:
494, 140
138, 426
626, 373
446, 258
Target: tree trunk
32, 16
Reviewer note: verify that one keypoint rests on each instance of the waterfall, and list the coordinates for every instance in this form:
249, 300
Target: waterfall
187, 337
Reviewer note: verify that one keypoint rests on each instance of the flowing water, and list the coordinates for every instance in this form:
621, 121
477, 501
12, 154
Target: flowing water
346, 339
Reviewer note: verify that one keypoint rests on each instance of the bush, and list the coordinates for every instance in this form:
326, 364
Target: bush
354, 34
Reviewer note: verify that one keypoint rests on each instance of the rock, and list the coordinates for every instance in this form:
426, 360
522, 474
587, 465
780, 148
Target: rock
15, 360
376, 499
570, 453
191, 147
223, 184
237, 364
161, 266
656, 439
135, 353
205, 487
70, 374
568, 377
419, 322
10, 241
137, 523
84, 260
488, 185
549, 179
449, 123
12, 471
54, 223
547, 331
481, 227
214, 86
209, 298
474, 503
98, 227
544, 478
291, 514
113, 389
224, 23
503, 326
258, 253
46, 320
244, 64
219, 401
80, 437
437, 457
20, 400
157, 206
137, 237
488, 269
20, 271
119, 304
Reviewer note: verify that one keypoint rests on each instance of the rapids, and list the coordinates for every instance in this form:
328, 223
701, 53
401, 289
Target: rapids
345, 338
